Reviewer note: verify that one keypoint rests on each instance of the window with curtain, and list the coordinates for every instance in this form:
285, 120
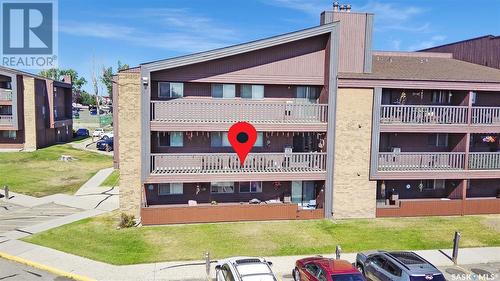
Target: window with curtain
170, 90
307, 93
222, 187
255, 92
251, 187
172, 139
170, 189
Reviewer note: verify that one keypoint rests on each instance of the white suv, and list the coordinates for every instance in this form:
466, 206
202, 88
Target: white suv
98, 132
244, 269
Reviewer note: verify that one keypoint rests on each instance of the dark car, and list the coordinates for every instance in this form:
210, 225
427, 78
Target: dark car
398, 266
105, 144
325, 269
82, 132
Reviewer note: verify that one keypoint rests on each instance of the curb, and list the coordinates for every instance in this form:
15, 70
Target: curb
45, 268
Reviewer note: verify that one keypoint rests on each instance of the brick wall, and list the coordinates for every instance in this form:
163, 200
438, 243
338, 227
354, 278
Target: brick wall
354, 196
30, 142
129, 118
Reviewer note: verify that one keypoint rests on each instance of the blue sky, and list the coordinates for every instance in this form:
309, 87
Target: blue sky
96, 32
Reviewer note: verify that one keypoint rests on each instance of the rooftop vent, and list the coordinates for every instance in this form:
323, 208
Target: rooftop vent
341, 7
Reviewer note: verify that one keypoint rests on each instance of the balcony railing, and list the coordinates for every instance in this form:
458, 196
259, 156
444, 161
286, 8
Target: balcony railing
228, 111
418, 161
484, 160
194, 163
5, 95
486, 115
423, 114
6, 120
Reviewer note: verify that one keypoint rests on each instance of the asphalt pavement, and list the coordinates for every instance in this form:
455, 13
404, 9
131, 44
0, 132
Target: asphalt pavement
13, 271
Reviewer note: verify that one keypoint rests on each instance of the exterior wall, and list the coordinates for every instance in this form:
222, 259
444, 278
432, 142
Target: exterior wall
300, 63
483, 50
399, 187
30, 126
419, 142
354, 195
420, 97
129, 117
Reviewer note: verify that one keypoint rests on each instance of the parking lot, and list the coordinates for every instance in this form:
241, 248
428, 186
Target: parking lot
13, 271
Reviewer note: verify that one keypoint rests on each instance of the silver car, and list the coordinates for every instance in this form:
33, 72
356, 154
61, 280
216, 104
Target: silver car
396, 266
244, 269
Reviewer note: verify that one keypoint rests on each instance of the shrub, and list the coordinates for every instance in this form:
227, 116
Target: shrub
126, 221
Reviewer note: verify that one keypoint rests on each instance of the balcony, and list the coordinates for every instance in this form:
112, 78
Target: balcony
486, 116
423, 114
5, 95
484, 161
195, 167
410, 161
6, 120
218, 114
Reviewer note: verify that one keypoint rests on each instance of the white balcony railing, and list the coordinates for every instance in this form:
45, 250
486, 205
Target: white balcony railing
419, 161
423, 114
486, 115
228, 111
187, 163
484, 160
5, 95
6, 120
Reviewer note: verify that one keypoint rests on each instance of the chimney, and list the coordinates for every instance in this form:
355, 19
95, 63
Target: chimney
355, 37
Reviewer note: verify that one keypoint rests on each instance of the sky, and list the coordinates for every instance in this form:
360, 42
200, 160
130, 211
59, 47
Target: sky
96, 33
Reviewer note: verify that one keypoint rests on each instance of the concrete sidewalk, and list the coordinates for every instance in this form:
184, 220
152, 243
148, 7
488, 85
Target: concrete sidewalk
160, 271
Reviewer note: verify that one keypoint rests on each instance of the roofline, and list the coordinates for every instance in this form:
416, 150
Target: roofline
240, 48
24, 73
413, 54
462, 41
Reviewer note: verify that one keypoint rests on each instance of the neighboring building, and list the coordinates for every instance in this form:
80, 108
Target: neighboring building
34, 111
339, 127
484, 50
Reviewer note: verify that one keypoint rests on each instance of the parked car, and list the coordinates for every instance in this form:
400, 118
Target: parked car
105, 144
400, 266
82, 132
244, 268
325, 269
107, 135
98, 132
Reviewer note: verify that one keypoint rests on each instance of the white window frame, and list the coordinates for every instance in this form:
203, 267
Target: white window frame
446, 135
170, 189
257, 190
442, 97
308, 93
224, 140
171, 86
222, 187
228, 91
174, 136
254, 89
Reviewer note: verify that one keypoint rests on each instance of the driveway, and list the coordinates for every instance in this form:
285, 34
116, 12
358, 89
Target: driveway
16, 217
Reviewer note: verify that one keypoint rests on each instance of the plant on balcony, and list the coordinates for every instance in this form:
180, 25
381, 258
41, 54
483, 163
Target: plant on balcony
492, 142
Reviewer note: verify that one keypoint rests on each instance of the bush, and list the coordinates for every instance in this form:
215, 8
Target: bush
126, 221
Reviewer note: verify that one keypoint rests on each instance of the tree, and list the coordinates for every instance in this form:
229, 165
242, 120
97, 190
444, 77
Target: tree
107, 77
86, 99
122, 66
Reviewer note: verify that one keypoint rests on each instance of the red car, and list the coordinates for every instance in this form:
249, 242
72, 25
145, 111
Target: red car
324, 269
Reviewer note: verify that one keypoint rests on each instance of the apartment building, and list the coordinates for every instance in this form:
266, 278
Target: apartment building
34, 111
343, 131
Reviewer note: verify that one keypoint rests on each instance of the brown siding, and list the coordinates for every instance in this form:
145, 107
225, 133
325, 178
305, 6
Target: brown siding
414, 193
418, 142
299, 62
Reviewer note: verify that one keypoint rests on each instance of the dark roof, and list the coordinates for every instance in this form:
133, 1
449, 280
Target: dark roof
24, 73
426, 68
462, 41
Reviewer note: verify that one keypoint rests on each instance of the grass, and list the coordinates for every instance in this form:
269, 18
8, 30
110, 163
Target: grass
112, 179
97, 238
40, 173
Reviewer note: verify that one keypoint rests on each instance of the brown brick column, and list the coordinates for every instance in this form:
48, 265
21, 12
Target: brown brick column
129, 142
30, 142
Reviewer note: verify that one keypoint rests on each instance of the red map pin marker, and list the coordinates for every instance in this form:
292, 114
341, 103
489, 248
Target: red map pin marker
242, 137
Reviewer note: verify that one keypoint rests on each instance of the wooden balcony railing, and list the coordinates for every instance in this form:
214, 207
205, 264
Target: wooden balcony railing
187, 163
486, 115
423, 114
419, 161
228, 111
6, 120
484, 160
5, 94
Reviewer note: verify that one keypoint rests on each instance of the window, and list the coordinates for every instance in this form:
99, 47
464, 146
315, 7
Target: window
439, 184
322, 275
432, 184
438, 140
222, 187
170, 189
219, 139
170, 139
9, 134
441, 97
378, 260
55, 113
251, 187
312, 269
226, 91
307, 93
259, 142
255, 92
392, 268
170, 90
226, 272
43, 111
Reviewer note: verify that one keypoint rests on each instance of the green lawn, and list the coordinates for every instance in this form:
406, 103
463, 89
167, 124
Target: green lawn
112, 180
40, 173
97, 238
